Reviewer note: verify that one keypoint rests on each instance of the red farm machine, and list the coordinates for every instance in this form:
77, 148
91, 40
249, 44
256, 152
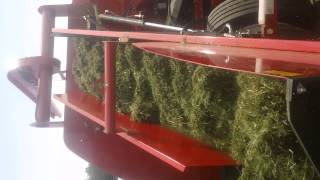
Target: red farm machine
275, 38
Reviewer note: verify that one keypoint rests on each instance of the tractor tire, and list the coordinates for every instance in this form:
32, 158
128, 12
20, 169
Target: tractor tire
234, 12
242, 13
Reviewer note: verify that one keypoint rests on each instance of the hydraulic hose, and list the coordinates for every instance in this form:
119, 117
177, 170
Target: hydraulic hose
142, 23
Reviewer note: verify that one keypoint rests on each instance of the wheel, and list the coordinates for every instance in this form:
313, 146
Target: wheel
235, 12
242, 13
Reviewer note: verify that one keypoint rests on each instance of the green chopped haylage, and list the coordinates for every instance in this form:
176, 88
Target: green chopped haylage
241, 114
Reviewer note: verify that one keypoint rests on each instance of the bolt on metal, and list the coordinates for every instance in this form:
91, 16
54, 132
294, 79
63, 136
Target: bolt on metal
301, 89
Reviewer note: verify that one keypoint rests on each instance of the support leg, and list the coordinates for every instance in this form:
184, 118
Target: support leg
45, 74
110, 83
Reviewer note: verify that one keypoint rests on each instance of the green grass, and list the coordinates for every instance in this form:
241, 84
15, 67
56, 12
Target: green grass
262, 138
88, 66
243, 115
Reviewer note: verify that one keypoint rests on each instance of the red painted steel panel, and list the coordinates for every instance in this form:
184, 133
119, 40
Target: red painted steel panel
283, 45
170, 147
86, 105
118, 157
164, 144
274, 63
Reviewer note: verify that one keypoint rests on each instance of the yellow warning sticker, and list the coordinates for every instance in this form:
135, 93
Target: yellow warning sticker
283, 73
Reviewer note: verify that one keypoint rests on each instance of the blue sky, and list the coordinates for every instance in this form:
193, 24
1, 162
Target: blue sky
27, 153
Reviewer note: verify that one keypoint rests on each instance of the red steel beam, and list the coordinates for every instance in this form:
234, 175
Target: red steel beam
45, 72
43, 99
283, 45
110, 83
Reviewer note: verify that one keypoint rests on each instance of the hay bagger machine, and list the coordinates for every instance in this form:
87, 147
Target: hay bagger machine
239, 35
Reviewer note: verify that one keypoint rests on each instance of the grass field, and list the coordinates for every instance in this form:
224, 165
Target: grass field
241, 114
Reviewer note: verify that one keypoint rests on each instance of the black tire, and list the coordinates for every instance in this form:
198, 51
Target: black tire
241, 13
233, 11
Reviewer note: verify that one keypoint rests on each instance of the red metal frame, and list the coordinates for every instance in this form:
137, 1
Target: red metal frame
123, 144
204, 50
279, 64
43, 66
110, 84
45, 74
162, 143
29, 89
272, 44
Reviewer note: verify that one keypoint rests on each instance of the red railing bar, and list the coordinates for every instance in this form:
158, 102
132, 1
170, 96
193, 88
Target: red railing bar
109, 88
283, 45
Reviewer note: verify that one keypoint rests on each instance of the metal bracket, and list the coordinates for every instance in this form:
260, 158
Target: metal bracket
303, 108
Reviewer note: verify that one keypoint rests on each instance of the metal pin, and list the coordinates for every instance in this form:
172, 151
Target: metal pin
301, 89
